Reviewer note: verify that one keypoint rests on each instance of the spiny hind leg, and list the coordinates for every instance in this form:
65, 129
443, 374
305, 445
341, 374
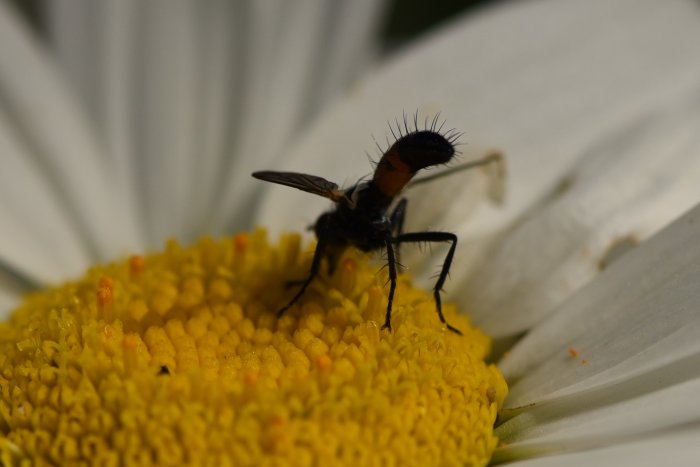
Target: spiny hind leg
418, 237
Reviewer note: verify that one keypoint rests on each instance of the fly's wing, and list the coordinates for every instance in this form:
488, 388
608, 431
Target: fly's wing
305, 182
494, 168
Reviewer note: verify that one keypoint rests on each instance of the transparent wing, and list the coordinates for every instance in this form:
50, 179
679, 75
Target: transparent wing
305, 182
495, 171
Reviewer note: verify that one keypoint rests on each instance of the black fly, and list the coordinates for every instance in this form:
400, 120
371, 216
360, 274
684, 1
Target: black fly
362, 217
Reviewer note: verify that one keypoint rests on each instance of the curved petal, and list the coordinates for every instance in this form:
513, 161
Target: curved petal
189, 98
9, 296
137, 68
638, 312
545, 430
310, 51
36, 238
52, 124
679, 447
624, 189
626, 345
289, 36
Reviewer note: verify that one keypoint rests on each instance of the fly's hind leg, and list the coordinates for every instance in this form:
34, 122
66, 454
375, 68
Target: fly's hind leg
417, 237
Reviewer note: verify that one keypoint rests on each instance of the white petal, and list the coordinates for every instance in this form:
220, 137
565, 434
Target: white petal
95, 44
285, 74
624, 189
166, 81
167, 114
635, 371
675, 448
8, 300
349, 47
72, 29
54, 126
204, 85
638, 317
285, 35
36, 237
220, 76
574, 425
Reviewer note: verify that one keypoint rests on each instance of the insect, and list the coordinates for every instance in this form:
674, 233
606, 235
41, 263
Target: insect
368, 215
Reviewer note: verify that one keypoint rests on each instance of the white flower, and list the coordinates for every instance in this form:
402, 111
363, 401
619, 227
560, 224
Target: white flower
595, 105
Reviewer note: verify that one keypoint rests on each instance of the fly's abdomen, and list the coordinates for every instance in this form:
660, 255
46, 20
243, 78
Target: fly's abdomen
409, 154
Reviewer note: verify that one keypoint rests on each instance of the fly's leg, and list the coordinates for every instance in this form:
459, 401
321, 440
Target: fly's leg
397, 218
418, 237
391, 262
315, 265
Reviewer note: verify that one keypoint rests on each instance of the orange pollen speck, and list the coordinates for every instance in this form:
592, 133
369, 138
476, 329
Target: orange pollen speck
240, 241
106, 282
348, 275
323, 362
129, 343
136, 264
279, 421
349, 265
573, 352
250, 377
104, 295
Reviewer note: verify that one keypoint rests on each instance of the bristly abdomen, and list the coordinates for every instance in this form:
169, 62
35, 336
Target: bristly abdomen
410, 153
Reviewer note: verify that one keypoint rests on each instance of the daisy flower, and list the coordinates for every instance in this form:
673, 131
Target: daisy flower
138, 123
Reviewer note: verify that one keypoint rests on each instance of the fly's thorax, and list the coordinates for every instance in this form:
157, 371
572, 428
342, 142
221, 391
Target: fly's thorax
367, 199
361, 224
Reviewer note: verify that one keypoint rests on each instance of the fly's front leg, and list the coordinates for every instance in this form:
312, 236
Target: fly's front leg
397, 218
391, 262
315, 265
417, 237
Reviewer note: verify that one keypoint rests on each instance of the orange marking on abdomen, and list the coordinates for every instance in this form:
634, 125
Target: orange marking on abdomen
392, 174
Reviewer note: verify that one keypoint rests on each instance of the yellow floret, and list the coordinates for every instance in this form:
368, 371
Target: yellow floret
179, 358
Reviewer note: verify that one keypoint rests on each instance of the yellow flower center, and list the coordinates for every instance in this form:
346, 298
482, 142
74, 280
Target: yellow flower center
179, 358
